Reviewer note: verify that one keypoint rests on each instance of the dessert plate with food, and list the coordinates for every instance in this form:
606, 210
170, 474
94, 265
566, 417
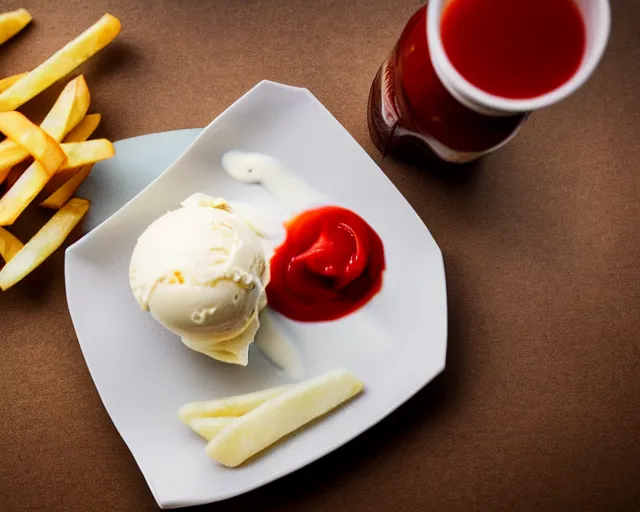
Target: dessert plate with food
270, 276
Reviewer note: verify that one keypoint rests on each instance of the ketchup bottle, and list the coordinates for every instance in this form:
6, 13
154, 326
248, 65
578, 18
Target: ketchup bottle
421, 105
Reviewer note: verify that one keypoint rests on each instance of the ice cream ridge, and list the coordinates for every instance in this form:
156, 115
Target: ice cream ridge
202, 272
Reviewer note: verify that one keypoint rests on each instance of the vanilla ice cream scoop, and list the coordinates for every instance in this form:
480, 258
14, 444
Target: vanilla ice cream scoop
201, 272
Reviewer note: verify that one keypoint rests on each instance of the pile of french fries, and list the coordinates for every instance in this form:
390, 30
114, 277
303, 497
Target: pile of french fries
239, 427
49, 162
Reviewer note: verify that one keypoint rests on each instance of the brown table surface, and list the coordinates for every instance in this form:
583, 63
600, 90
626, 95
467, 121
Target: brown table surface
539, 407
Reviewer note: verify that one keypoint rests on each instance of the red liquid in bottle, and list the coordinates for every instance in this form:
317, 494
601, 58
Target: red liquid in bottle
411, 113
514, 48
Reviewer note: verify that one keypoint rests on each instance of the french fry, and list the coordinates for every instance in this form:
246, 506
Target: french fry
11, 154
79, 134
9, 245
249, 434
34, 179
17, 171
84, 129
23, 191
34, 139
83, 153
209, 427
13, 22
44, 242
225, 407
61, 63
68, 110
67, 189
5, 83
56, 153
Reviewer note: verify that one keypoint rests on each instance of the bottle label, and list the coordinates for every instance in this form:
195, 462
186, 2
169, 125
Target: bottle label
444, 152
391, 117
388, 107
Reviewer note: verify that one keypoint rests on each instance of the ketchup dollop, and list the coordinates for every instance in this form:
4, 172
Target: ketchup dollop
330, 264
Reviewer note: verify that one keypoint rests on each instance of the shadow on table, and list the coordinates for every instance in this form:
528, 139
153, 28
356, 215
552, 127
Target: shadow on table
104, 66
17, 45
423, 411
115, 58
426, 164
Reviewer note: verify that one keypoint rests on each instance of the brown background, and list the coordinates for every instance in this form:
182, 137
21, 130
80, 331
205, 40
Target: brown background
539, 407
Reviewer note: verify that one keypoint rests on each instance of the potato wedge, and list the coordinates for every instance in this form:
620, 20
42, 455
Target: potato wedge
274, 419
68, 110
84, 129
44, 242
9, 245
67, 189
209, 427
13, 22
5, 83
61, 63
225, 407
34, 139
83, 153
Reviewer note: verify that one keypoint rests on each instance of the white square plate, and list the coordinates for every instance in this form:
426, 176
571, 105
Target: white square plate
396, 344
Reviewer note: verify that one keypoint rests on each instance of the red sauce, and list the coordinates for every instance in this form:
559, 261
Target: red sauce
514, 48
329, 265
423, 106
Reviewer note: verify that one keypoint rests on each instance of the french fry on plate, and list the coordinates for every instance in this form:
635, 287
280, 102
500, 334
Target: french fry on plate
5, 83
9, 245
209, 427
83, 153
44, 243
13, 22
68, 110
225, 407
61, 63
34, 139
257, 429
